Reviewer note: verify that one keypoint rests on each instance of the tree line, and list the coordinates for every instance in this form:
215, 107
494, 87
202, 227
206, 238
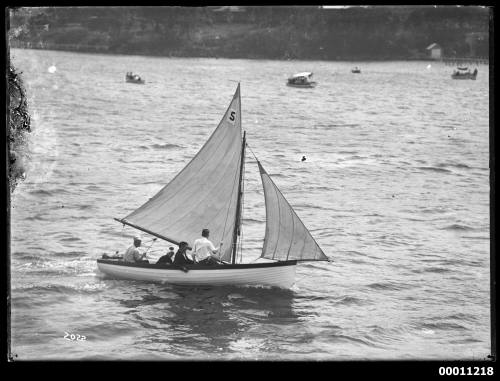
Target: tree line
277, 32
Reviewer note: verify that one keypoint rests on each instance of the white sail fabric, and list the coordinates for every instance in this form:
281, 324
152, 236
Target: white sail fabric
204, 194
286, 236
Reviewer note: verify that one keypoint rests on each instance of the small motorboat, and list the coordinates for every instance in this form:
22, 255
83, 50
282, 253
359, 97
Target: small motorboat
134, 78
464, 73
356, 70
301, 80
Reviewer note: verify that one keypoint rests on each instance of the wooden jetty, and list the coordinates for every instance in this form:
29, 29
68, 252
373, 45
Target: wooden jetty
464, 61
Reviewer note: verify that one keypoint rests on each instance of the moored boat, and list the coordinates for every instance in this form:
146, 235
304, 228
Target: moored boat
301, 80
217, 206
134, 78
464, 73
356, 70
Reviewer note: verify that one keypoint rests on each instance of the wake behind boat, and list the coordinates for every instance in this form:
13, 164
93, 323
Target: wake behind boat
217, 206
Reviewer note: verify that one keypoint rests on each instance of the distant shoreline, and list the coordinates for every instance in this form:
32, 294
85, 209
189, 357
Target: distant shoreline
355, 34
478, 60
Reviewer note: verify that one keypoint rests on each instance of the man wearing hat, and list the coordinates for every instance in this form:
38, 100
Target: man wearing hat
203, 249
133, 254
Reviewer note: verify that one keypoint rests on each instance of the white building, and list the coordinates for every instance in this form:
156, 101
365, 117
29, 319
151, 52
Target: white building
436, 52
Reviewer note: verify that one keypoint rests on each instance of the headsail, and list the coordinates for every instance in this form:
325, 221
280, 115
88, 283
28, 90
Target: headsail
204, 194
286, 236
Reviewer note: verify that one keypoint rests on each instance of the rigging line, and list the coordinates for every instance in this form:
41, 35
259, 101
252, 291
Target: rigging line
238, 203
227, 213
242, 212
242, 209
291, 241
252, 152
123, 221
241, 233
266, 202
279, 219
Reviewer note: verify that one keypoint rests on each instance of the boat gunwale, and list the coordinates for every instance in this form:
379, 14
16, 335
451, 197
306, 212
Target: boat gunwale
131, 80
464, 76
308, 84
228, 266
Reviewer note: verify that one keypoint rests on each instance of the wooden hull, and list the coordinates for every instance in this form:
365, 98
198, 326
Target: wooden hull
464, 76
305, 85
277, 274
139, 82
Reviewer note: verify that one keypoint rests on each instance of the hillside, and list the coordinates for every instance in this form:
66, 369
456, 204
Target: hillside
361, 33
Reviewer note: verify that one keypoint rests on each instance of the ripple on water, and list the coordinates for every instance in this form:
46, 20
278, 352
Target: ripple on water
433, 269
446, 326
435, 169
354, 161
458, 227
351, 300
166, 146
389, 286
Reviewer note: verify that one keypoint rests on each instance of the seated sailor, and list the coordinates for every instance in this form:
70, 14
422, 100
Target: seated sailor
203, 249
167, 259
181, 258
133, 255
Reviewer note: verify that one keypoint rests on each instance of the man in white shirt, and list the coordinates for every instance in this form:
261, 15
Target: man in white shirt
203, 249
133, 254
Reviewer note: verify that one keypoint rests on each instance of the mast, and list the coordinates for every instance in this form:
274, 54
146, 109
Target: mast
237, 223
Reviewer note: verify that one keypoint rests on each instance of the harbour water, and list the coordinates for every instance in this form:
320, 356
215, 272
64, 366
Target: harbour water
395, 189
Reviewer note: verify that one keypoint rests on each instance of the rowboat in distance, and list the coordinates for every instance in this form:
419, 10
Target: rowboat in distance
197, 205
356, 70
303, 80
134, 78
464, 73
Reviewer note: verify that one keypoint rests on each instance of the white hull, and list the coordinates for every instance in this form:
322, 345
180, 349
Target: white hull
302, 85
277, 274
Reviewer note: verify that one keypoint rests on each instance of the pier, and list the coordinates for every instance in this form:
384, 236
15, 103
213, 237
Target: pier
464, 61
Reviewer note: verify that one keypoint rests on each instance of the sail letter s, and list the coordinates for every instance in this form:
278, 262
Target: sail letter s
232, 117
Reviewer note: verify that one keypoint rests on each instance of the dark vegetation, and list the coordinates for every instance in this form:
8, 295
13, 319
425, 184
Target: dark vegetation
18, 127
355, 33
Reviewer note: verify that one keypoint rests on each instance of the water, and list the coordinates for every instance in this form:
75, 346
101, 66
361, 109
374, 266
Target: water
395, 189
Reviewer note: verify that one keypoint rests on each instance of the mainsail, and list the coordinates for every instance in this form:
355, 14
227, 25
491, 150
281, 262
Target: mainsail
204, 194
286, 236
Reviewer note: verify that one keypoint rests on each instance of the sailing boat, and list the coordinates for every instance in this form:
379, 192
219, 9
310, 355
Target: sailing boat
207, 193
